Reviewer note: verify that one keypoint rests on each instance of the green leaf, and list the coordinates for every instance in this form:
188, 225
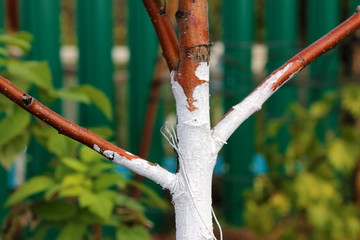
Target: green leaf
13, 148
19, 119
88, 155
4, 52
43, 133
72, 94
99, 167
51, 192
72, 230
104, 132
132, 233
33, 186
76, 179
20, 39
58, 210
318, 216
98, 98
35, 72
101, 203
350, 96
61, 145
128, 203
40, 232
72, 191
87, 217
106, 180
151, 198
74, 164
340, 156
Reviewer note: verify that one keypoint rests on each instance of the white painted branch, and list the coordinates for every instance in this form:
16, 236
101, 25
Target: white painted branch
252, 103
142, 167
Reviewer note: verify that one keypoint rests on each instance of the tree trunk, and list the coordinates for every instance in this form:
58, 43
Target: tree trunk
197, 152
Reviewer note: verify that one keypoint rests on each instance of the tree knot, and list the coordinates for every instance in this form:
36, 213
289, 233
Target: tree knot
27, 100
199, 53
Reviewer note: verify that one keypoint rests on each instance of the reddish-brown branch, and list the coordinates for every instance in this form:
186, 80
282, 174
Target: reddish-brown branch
252, 103
165, 31
62, 125
321, 46
192, 19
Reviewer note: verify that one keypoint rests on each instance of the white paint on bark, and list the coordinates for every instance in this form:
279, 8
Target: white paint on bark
142, 167
96, 148
202, 71
248, 106
197, 156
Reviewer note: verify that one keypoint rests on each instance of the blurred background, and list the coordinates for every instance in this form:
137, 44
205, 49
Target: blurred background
291, 171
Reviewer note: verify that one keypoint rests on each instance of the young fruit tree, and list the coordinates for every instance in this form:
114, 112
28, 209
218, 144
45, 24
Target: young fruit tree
196, 142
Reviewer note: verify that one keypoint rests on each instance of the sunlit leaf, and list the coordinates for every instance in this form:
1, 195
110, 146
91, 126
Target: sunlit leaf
340, 156
19, 119
88, 155
71, 94
35, 72
101, 203
74, 164
97, 97
33, 186
106, 180
20, 39
318, 216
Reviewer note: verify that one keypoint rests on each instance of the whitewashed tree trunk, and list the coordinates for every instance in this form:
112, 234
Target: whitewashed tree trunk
197, 153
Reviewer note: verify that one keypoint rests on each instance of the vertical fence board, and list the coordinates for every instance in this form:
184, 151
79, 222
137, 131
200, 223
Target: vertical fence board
281, 38
94, 35
238, 31
41, 19
324, 71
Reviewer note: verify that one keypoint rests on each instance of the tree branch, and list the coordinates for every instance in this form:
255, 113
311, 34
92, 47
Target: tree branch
84, 136
252, 103
165, 31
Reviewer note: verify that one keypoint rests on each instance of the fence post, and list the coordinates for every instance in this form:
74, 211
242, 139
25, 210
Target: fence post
238, 25
281, 22
94, 35
42, 19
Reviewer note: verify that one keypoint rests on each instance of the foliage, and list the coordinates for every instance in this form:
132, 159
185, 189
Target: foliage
34, 76
83, 192
307, 192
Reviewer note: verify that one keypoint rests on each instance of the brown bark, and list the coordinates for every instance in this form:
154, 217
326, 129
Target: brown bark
321, 46
192, 19
164, 30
